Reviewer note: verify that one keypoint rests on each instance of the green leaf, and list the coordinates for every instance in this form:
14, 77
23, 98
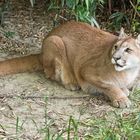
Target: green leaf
93, 21
114, 15
32, 2
87, 4
70, 3
62, 3
138, 8
9, 34
76, 2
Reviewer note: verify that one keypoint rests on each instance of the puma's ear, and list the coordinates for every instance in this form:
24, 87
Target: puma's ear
122, 34
138, 40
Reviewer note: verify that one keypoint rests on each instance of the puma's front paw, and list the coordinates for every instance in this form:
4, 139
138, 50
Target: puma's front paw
72, 87
123, 102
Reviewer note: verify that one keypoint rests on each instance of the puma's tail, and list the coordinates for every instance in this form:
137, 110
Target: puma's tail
22, 64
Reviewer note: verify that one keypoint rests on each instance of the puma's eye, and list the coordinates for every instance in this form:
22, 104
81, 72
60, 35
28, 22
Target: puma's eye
128, 50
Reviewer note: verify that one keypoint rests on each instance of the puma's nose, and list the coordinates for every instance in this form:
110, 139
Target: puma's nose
116, 58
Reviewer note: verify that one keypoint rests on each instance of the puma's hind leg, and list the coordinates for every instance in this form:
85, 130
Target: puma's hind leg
55, 62
67, 78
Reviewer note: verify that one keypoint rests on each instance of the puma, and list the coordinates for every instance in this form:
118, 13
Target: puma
81, 56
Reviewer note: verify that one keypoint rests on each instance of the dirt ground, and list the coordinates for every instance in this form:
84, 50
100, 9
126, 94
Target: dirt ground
22, 96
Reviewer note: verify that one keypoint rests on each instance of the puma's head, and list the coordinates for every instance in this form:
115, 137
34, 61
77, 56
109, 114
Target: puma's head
126, 52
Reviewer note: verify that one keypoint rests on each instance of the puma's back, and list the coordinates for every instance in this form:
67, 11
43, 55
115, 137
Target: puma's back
80, 39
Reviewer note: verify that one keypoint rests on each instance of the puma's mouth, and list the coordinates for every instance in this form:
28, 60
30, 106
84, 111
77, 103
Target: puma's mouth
118, 65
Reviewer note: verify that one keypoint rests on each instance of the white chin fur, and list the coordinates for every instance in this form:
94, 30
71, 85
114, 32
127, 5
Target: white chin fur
117, 68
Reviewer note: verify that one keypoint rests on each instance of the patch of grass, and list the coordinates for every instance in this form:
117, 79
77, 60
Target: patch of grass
118, 127
70, 132
117, 124
73, 126
19, 127
46, 130
113, 126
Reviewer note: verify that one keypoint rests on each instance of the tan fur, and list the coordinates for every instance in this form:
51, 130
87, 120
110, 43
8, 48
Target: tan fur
81, 56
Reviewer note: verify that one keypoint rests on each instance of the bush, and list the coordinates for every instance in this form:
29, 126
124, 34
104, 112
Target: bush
107, 13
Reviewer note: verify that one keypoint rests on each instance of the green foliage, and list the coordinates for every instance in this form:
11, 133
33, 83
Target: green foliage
127, 17
73, 126
118, 19
4, 6
9, 34
121, 13
135, 26
104, 124
81, 10
88, 11
115, 128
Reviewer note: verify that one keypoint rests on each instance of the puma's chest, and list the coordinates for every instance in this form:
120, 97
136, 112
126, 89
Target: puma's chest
125, 79
132, 75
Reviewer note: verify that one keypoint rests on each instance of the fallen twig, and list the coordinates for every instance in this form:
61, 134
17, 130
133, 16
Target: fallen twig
43, 97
